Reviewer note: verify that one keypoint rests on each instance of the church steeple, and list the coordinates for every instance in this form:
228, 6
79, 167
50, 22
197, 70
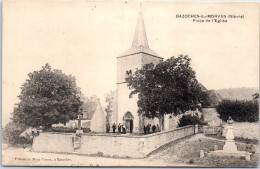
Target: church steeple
140, 42
140, 38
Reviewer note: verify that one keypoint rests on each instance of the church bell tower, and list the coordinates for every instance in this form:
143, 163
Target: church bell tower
137, 56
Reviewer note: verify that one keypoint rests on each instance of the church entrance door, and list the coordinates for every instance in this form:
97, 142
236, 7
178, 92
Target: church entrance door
128, 118
129, 126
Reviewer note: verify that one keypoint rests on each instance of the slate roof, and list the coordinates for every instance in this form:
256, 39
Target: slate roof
203, 88
89, 108
214, 96
87, 115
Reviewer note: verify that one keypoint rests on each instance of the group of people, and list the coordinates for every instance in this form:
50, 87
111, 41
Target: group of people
120, 128
149, 126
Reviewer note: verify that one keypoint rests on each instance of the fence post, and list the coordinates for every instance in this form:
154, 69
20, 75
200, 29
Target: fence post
201, 153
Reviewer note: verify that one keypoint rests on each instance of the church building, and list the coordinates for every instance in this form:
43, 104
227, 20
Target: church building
137, 56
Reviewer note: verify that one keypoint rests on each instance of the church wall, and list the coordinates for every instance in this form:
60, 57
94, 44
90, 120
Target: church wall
124, 102
146, 59
127, 63
127, 104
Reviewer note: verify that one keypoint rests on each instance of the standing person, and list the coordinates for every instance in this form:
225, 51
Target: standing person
154, 128
114, 128
108, 127
158, 128
144, 130
148, 128
119, 128
124, 130
131, 128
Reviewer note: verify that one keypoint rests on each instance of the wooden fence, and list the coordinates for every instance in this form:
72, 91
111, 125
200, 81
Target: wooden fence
211, 129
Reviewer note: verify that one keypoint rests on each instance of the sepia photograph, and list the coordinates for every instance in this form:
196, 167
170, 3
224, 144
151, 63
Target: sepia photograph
130, 83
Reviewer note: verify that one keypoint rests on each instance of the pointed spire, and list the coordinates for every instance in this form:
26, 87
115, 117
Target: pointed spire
140, 38
140, 42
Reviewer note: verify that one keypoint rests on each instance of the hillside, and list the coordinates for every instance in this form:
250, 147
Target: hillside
243, 93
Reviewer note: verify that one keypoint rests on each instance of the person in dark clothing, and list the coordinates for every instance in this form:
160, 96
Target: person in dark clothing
114, 128
148, 128
131, 129
108, 128
154, 128
124, 129
119, 128
144, 130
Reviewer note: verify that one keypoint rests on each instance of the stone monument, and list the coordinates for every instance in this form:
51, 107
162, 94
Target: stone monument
230, 148
230, 145
79, 130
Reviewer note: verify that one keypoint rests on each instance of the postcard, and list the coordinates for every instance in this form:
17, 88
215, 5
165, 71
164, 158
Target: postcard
130, 83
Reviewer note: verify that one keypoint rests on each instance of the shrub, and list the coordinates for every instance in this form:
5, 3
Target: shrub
239, 110
86, 130
11, 135
190, 120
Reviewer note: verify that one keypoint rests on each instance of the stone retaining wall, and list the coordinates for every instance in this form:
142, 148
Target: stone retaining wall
110, 145
245, 130
53, 142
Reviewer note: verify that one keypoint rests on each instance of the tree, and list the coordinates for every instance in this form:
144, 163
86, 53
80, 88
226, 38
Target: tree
47, 97
239, 110
11, 134
190, 120
169, 87
109, 99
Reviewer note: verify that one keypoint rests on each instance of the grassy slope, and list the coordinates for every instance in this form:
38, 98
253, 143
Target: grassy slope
187, 151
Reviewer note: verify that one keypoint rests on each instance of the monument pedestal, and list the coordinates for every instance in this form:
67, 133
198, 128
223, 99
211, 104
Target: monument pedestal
230, 148
222, 153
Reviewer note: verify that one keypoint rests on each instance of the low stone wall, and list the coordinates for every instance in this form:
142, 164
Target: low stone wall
245, 130
53, 142
155, 141
117, 146
110, 145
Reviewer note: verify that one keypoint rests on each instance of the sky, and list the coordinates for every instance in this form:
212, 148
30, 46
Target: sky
83, 38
